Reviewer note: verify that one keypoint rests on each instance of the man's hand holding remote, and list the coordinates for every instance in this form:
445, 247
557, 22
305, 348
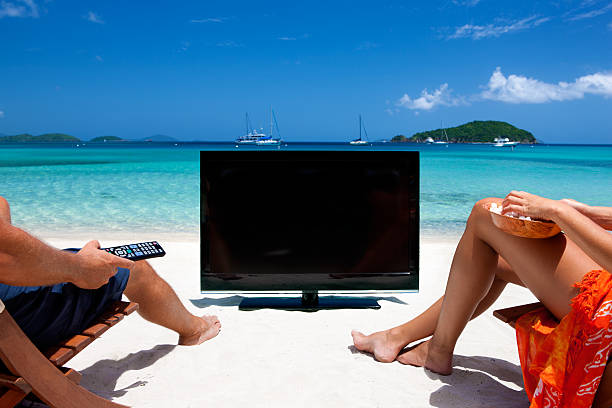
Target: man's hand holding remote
94, 267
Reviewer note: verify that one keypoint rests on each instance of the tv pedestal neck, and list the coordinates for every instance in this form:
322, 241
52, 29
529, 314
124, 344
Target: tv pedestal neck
309, 302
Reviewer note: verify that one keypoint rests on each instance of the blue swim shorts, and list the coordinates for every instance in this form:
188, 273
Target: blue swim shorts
50, 314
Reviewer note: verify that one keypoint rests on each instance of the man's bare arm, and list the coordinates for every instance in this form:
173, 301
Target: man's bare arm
27, 261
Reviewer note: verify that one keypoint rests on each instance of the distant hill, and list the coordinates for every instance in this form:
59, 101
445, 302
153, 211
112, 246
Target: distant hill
107, 139
47, 137
157, 138
475, 132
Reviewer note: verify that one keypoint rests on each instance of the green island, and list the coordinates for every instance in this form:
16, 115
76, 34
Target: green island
107, 139
47, 137
478, 131
62, 137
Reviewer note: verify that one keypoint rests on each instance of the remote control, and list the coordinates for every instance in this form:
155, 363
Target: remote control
133, 252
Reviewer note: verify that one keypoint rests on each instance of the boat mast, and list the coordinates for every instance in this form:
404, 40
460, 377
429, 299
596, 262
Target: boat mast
247, 123
270, 121
359, 127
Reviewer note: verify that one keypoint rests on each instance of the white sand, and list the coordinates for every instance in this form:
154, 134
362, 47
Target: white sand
273, 358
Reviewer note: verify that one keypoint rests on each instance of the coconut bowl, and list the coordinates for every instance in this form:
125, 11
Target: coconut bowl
523, 228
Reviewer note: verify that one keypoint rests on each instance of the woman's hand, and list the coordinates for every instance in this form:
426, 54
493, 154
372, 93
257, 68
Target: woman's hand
529, 205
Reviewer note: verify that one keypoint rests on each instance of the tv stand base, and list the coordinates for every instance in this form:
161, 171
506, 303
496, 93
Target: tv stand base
309, 302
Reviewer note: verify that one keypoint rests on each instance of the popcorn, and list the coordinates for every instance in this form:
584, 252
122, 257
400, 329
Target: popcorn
497, 209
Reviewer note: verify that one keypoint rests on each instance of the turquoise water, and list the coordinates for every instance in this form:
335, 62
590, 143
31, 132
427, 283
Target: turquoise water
155, 187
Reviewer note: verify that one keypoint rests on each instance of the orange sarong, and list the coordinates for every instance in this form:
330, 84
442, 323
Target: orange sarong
563, 362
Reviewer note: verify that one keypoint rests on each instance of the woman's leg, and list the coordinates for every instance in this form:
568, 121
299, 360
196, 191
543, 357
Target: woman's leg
548, 267
387, 344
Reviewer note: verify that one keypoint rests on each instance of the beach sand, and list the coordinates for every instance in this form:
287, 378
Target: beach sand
274, 358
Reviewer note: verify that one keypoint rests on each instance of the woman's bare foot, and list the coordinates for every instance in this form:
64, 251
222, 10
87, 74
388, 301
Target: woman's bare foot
209, 327
433, 359
384, 345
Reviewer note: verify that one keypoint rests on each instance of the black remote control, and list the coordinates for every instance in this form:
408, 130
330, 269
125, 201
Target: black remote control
133, 252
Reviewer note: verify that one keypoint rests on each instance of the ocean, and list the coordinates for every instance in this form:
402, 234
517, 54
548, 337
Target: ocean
104, 189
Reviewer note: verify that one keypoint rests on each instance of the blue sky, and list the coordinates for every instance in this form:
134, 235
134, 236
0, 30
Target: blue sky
191, 69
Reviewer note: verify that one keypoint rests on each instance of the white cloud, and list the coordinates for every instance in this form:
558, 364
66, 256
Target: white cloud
592, 13
476, 32
1, 114
287, 38
19, 8
209, 20
99, 58
610, 26
427, 101
93, 17
520, 89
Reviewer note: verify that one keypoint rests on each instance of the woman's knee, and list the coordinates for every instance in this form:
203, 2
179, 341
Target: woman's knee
480, 209
5, 210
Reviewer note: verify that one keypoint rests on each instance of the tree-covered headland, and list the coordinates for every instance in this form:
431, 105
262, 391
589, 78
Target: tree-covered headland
478, 131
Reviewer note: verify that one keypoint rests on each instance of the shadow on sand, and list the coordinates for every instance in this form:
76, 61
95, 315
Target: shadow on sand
476, 381
101, 378
235, 300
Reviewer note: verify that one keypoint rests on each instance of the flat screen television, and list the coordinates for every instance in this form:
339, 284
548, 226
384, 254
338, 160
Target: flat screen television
343, 221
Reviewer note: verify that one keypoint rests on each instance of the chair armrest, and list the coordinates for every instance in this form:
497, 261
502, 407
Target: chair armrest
511, 314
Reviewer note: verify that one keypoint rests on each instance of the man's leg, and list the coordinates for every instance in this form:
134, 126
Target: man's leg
159, 304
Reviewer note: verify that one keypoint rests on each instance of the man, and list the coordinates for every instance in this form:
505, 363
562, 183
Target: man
54, 294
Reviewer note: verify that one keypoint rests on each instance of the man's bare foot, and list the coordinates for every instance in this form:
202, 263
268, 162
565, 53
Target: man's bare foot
384, 345
209, 327
422, 355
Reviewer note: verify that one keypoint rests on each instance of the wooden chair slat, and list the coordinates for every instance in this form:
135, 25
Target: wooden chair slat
96, 330
78, 342
59, 355
130, 308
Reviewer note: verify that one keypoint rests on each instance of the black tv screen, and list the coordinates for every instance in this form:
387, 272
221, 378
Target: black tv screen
309, 220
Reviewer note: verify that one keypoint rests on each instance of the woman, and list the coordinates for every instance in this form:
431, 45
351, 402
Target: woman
486, 259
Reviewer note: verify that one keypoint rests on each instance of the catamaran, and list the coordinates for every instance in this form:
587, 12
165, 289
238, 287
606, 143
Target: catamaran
360, 141
271, 140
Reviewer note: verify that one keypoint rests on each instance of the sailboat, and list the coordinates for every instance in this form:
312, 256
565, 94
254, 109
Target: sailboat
270, 140
360, 141
445, 136
251, 136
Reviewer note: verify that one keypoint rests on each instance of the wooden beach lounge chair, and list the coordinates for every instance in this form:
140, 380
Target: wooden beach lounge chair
603, 397
43, 374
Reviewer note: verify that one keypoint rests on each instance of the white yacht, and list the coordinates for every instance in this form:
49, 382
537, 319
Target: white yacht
504, 142
251, 136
